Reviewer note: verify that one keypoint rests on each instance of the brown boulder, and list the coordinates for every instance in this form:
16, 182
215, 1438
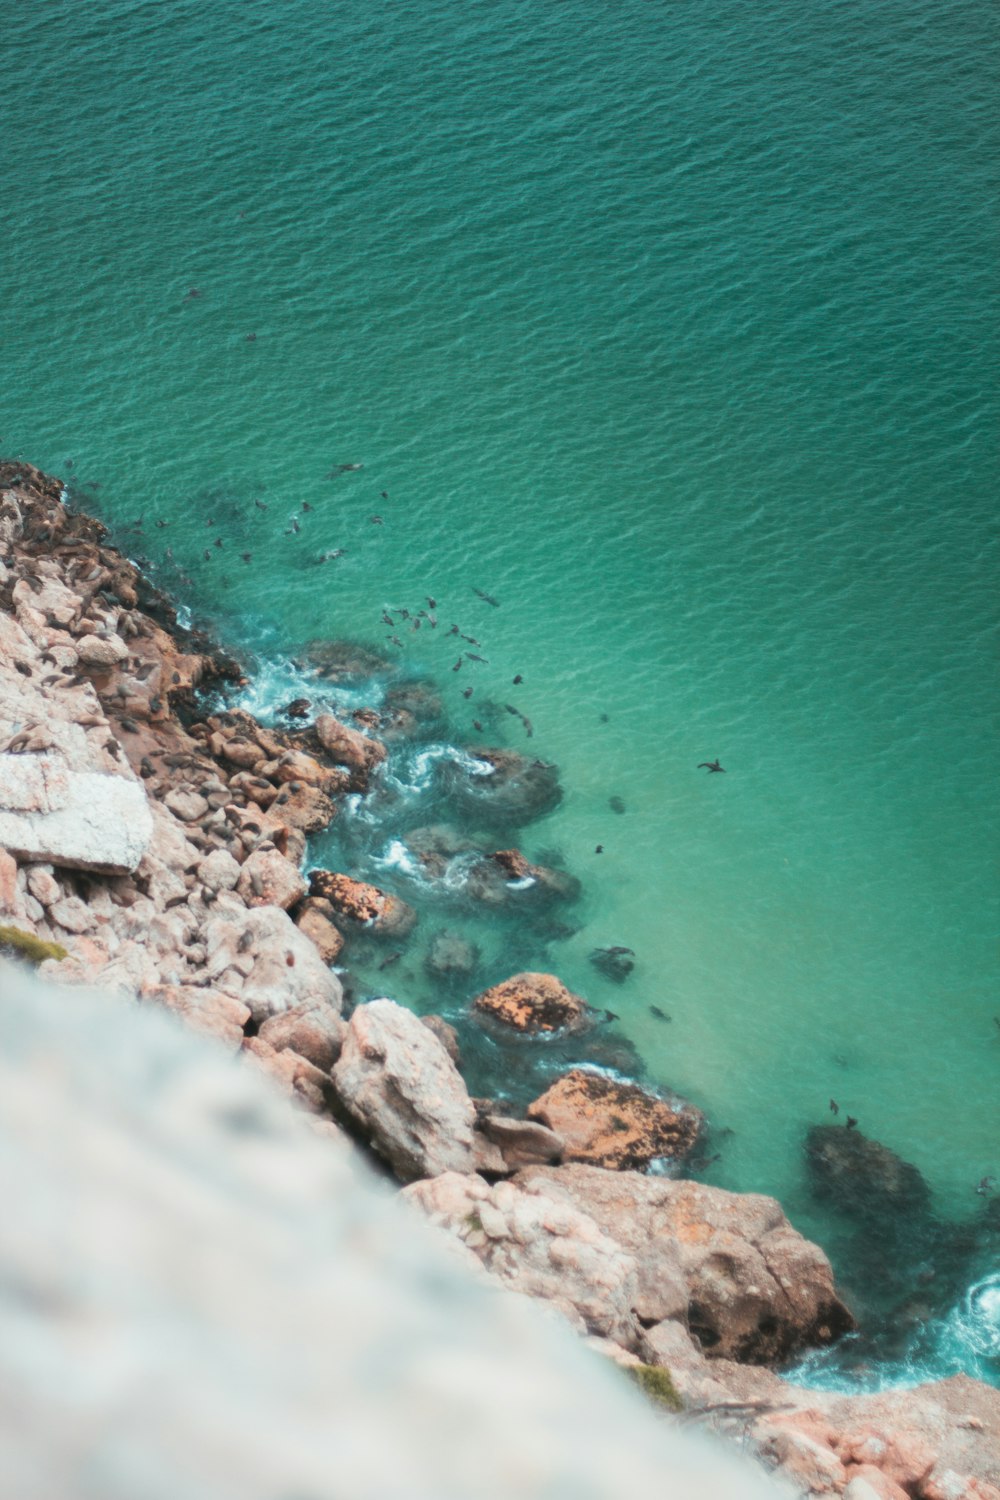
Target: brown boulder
754, 1289
523, 1143
357, 901
612, 1124
533, 1002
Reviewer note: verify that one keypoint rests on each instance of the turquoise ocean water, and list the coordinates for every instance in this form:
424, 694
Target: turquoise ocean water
672, 327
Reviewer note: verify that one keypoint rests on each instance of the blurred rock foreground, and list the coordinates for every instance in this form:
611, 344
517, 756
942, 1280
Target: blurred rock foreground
204, 1295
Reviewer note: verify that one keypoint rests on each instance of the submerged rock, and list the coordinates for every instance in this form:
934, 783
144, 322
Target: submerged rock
612, 1124
861, 1177
451, 956
533, 1003
342, 661
516, 790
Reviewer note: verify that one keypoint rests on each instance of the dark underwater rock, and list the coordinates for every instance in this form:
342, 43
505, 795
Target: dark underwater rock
451, 956
516, 791
344, 661
861, 1177
614, 963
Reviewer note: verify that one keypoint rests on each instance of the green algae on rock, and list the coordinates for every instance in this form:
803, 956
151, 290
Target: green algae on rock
34, 950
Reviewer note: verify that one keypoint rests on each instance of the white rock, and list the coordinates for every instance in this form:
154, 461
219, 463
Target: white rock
103, 824
72, 914
102, 650
219, 870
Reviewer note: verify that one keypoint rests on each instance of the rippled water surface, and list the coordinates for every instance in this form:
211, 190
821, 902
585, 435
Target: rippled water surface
673, 330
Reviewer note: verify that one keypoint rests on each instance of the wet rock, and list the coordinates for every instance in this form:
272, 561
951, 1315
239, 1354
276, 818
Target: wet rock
269, 879
399, 1083
540, 1245
315, 1032
515, 790
532, 1003
349, 747
446, 1035
298, 708
616, 1125
314, 918
862, 1177
508, 876
363, 904
728, 1265
614, 963
451, 957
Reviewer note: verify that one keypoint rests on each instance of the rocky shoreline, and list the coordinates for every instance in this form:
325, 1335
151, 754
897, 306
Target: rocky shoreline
152, 844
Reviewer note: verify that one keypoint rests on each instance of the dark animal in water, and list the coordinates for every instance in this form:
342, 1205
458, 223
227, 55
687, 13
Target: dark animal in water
432, 603
250, 338
454, 631
658, 1014
616, 804
512, 710
614, 963
246, 556
391, 959
834, 1107
477, 726
457, 665
529, 728
517, 680
851, 1122
711, 765
387, 618
376, 520
293, 529
611, 1015
599, 849
260, 505
467, 692
343, 469
985, 1185
488, 597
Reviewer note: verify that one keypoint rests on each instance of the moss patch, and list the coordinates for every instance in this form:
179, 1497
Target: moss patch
657, 1384
17, 944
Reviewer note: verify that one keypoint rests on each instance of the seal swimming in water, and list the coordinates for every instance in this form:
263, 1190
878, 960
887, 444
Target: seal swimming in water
711, 765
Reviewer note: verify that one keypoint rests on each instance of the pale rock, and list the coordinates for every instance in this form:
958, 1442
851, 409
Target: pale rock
102, 650
812, 1465
295, 1074
315, 924
267, 878
43, 885
190, 806
72, 914
219, 871
315, 1032
287, 971
868, 1483
10, 896
538, 1246
756, 1290
104, 824
399, 1083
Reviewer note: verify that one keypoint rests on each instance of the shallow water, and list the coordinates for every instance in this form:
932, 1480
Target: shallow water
670, 330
